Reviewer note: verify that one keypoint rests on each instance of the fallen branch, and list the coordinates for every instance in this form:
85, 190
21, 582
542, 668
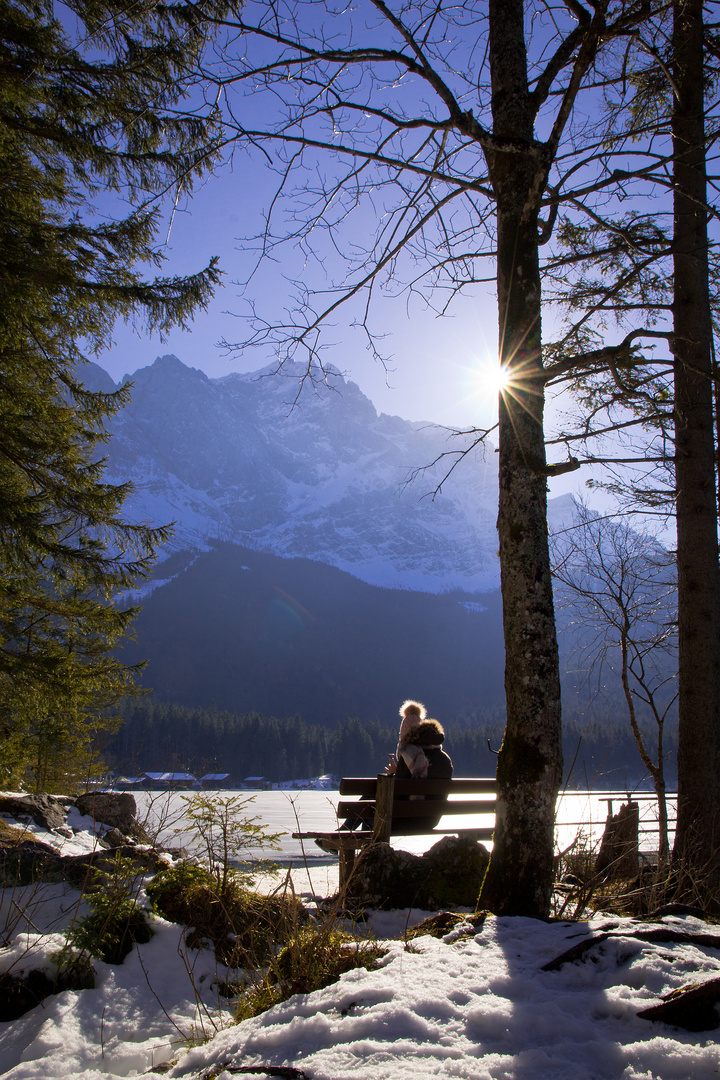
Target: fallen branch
659, 934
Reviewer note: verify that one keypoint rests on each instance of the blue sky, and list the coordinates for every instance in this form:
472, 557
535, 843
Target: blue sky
436, 364
438, 368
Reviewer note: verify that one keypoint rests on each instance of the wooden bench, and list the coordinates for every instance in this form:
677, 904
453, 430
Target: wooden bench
386, 805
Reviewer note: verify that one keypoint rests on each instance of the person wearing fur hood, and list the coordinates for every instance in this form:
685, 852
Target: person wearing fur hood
419, 753
420, 756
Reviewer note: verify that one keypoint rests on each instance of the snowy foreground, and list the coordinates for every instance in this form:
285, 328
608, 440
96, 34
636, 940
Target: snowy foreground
474, 1004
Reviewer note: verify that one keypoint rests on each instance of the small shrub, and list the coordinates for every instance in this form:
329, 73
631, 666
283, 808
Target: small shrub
74, 970
178, 892
243, 926
224, 834
679, 888
578, 860
577, 887
314, 958
114, 925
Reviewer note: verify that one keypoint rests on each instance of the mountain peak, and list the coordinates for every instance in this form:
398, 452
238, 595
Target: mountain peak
167, 366
320, 475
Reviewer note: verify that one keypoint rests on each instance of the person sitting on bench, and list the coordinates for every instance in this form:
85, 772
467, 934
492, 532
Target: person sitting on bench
420, 756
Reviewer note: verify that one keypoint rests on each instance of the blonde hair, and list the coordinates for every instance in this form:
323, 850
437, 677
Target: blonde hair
413, 708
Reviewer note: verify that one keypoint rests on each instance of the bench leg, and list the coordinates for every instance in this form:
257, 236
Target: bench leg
346, 862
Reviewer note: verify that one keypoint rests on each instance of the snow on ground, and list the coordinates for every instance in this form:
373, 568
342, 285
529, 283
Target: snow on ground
482, 1008
478, 1007
475, 1006
140, 1012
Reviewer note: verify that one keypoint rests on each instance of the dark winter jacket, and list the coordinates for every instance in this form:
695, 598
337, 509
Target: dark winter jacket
421, 756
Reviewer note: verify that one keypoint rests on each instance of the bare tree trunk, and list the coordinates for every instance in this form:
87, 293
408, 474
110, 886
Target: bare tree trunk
657, 772
519, 878
698, 826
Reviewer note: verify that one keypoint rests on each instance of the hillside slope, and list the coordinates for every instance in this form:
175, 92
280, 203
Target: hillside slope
248, 630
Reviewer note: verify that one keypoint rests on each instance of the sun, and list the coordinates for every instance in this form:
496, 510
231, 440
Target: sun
493, 378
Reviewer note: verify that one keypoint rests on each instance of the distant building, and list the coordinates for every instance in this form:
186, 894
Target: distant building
164, 780
125, 782
215, 780
328, 782
255, 783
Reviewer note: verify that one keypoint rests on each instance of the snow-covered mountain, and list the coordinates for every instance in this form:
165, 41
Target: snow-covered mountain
307, 471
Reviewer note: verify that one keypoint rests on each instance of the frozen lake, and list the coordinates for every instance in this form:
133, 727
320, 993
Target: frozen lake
315, 811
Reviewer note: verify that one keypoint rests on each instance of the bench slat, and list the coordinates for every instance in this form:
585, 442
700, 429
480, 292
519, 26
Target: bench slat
354, 840
480, 785
358, 785
476, 834
347, 841
419, 808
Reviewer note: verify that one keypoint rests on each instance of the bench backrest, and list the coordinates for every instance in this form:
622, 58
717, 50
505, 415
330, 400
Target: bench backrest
386, 801
367, 785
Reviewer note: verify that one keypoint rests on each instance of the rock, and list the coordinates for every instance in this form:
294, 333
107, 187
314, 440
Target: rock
28, 861
114, 808
448, 875
82, 871
113, 838
22, 992
31, 861
44, 810
460, 864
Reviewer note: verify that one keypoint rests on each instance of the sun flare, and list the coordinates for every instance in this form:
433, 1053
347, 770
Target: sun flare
494, 378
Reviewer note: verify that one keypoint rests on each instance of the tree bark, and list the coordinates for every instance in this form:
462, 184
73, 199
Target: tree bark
698, 824
519, 878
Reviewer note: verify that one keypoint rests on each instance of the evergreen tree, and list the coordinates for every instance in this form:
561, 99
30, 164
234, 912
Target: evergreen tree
91, 107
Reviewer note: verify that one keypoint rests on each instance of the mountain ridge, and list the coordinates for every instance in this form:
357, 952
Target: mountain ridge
304, 469
250, 631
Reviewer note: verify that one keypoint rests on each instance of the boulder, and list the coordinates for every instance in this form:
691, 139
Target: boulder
28, 861
87, 871
23, 991
114, 808
448, 875
25, 862
44, 810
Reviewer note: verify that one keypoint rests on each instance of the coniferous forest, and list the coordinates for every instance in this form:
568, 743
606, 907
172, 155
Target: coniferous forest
159, 736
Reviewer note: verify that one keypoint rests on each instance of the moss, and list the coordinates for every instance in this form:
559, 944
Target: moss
13, 834
443, 923
521, 761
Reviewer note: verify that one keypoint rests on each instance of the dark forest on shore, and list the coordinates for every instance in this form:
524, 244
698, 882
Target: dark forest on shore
156, 736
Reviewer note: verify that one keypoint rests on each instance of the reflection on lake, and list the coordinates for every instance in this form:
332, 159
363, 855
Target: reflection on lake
315, 811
